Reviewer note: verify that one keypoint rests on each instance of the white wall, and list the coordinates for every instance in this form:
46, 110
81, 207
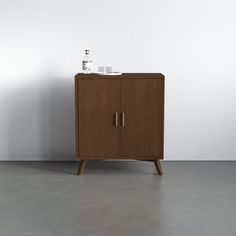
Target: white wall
191, 42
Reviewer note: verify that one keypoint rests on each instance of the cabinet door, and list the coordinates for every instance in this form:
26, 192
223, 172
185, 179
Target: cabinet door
99, 99
142, 101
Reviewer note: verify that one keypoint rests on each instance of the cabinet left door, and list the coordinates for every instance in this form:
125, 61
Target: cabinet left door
97, 111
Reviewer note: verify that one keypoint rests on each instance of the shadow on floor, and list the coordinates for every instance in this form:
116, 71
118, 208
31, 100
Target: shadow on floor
92, 167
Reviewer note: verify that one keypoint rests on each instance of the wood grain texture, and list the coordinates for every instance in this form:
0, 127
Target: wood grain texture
119, 117
81, 167
99, 99
123, 76
158, 167
76, 119
142, 104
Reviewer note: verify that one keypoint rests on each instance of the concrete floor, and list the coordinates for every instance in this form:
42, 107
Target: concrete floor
117, 198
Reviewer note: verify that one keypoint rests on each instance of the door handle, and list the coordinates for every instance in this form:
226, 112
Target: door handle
116, 119
122, 119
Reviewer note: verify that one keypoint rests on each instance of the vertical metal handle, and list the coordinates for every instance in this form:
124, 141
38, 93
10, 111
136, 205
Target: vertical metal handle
123, 119
116, 119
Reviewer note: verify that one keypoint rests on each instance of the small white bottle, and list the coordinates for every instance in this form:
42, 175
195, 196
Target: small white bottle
87, 63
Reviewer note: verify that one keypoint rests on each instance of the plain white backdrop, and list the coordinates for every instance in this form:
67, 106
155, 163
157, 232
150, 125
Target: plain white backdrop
191, 42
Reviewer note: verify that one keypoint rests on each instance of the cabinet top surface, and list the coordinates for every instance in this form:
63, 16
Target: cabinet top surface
123, 76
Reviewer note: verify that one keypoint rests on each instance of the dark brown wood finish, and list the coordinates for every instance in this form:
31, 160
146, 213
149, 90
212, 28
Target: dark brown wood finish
99, 100
119, 117
158, 167
123, 76
81, 167
142, 104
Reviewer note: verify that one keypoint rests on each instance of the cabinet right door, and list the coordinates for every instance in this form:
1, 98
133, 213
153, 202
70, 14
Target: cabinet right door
142, 101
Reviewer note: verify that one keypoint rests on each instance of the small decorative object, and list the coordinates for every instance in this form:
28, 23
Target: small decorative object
87, 66
110, 73
87, 63
101, 69
108, 69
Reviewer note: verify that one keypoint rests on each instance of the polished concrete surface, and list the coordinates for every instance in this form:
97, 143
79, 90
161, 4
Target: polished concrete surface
117, 198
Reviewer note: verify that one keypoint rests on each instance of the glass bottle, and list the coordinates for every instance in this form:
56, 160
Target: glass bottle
87, 63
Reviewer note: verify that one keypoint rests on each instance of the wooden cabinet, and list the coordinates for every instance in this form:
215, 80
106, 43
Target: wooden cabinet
119, 117
98, 100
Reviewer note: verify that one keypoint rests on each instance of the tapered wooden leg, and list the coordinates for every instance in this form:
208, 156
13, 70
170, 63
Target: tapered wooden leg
81, 167
158, 167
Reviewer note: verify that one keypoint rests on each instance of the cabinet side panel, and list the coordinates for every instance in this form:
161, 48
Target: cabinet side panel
162, 99
76, 120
